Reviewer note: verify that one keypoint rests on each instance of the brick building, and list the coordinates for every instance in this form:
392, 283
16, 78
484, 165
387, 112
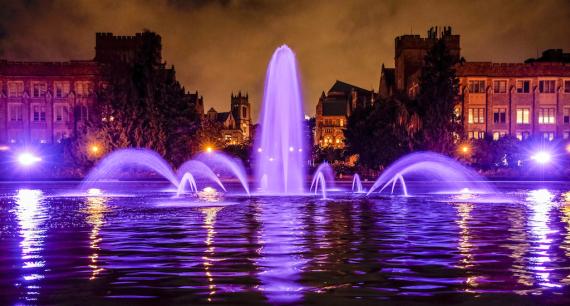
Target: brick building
496, 99
236, 127
44, 102
333, 110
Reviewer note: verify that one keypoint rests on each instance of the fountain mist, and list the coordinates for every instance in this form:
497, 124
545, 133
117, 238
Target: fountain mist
280, 146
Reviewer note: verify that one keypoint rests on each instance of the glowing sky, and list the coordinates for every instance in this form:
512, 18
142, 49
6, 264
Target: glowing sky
222, 46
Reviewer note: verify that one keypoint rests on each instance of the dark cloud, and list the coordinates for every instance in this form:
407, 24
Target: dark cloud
224, 46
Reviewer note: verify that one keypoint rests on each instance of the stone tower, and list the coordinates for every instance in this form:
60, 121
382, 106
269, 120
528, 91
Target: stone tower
411, 51
241, 111
111, 48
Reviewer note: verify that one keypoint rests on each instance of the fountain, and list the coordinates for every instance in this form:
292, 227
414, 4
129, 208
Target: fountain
327, 173
187, 179
449, 174
319, 181
199, 170
357, 184
280, 145
223, 164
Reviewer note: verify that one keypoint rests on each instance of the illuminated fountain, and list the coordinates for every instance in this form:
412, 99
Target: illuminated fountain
447, 174
280, 145
357, 184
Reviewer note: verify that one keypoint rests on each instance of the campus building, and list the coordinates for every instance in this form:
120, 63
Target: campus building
494, 99
45, 102
333, 110
236, 127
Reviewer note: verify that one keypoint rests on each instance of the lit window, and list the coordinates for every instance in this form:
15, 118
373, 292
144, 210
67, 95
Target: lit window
500, 86
548, 136
523, 86
83, 88
523, 116
15, 112
39, 89
566, 115
341, 122
547, 86
546, 115
500, 115
39, 113
475, 135
61, 113
566, 135
476, 115
15, 88
61, 89
476, 86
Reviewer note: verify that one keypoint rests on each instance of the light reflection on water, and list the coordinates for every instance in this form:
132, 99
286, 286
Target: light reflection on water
295, 250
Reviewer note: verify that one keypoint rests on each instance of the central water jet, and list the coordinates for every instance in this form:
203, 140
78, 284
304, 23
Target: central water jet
280, 146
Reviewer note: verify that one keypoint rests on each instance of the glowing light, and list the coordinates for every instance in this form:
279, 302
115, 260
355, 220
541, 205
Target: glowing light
568, 148
28, 159
4, 148
209, 149
94, 149
291, 149
209, 190
542, 157
465, 149
94, 192
259, 150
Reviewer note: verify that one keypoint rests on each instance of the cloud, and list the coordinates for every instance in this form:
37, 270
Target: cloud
222, 46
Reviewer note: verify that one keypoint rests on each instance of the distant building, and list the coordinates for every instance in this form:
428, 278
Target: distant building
236, 124
333, 110
496, 99
45, 102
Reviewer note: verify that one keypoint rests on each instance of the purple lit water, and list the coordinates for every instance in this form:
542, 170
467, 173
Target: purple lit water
279, 150
142, 246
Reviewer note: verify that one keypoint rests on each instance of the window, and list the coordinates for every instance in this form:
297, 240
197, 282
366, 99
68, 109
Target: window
475, 135
476, 115
477, 86
83, 114
341, 122
83, 88
567, 86
15, 88
523, 135
523, 116
15, 112
547, 86
39, 89
244, 112
523, 86
566, 112
500, 115
39, 113
498, 135
500, 86
61, 89
546, 115
566, 135
61, 113
548, 136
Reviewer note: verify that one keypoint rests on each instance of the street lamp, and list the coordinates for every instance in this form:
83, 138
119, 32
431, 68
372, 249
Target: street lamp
27, 159
542, 157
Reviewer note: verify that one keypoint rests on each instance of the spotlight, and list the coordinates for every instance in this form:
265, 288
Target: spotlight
542, 157
209, 149
28, 159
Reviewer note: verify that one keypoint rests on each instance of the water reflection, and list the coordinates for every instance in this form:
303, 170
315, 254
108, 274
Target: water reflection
209, 224
96, 209
31, 216
565, 210
465, 245
540, 202
281, 261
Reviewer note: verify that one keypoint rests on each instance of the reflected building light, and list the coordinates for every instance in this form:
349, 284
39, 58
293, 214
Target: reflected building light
209, 224
540, 202
565, 213
31, 216
465, 245
96, 209
519, 248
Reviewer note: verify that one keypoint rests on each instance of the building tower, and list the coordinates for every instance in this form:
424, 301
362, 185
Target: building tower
111, 48
241, 111
411, 51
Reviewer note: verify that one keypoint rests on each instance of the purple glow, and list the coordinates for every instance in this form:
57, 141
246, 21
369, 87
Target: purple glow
542, 157
280, 145
27, 159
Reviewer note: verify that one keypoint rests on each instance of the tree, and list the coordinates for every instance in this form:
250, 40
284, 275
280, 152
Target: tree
436, 100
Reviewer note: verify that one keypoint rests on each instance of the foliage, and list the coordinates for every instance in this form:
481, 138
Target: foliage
436, 100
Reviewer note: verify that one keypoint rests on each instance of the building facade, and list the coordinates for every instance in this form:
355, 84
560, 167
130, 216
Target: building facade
333, 110
236, 127
45, 102
494, 99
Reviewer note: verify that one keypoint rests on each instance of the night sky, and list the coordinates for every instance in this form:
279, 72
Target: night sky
222, 46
